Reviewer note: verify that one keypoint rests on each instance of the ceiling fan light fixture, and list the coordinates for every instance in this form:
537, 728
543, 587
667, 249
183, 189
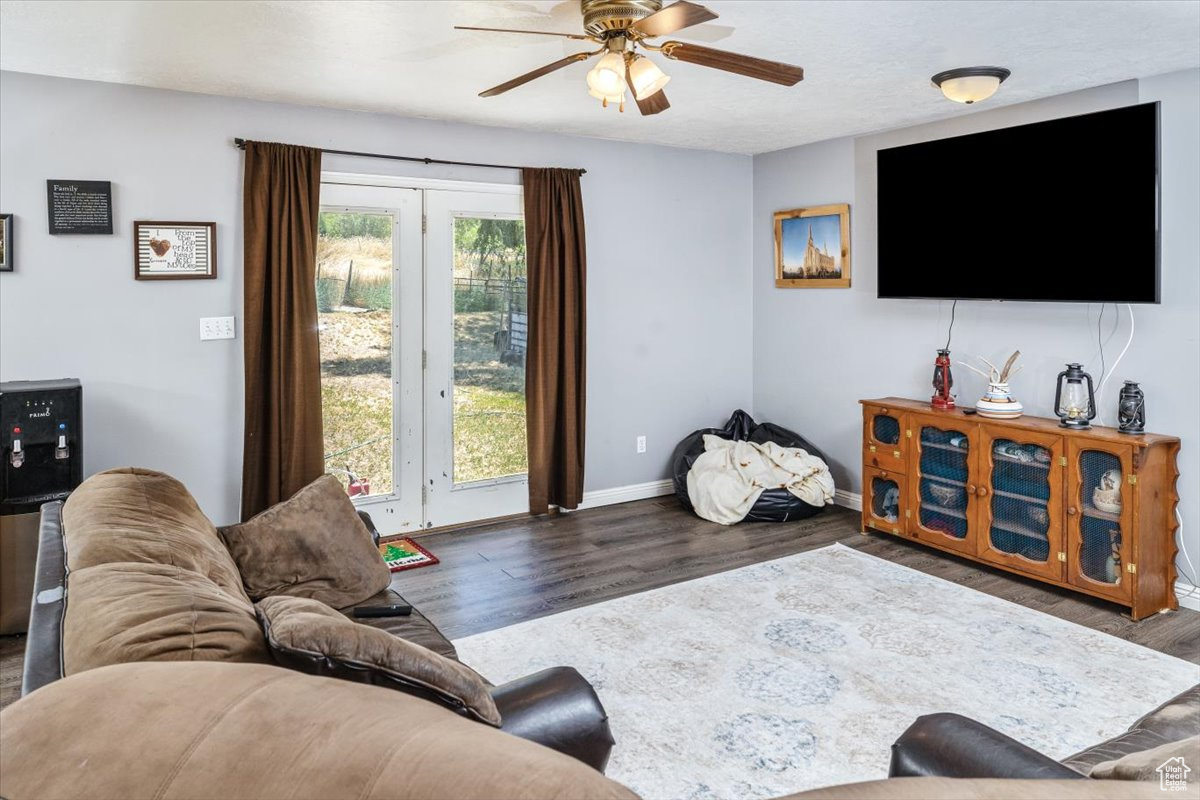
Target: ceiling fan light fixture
615, 97
607, 78
646, 77
970, 84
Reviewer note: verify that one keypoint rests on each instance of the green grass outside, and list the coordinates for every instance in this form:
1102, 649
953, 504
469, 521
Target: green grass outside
489, 398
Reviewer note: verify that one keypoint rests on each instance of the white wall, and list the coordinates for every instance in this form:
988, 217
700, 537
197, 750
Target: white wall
659, 280
817, 352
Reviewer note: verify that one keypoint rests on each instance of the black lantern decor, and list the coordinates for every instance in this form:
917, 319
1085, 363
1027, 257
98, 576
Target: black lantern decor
1074, 403
1131, 409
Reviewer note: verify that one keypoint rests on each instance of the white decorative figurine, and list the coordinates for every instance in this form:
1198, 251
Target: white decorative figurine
998, 402
1107, 495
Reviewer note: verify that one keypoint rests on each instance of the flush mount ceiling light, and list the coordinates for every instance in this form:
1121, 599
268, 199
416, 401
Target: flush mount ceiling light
970, 84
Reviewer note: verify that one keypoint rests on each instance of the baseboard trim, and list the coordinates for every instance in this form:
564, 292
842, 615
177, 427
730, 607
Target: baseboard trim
1186, 600
643, 491
851, 500
626, 494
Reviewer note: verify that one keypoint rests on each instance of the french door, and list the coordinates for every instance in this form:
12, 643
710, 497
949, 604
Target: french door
422, 311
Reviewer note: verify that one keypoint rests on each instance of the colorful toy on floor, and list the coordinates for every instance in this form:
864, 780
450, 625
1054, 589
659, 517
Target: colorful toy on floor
404, 553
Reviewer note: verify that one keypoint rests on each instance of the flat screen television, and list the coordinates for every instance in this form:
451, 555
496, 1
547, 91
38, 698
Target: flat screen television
1057, 211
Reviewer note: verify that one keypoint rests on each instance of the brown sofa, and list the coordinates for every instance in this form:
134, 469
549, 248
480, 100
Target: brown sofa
954, 746
221, 730
129, 569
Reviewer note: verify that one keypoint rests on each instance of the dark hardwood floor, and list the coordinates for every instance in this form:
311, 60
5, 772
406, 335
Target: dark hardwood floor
501, 574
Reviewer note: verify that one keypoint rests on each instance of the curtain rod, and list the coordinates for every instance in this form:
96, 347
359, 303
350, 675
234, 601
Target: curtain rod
240, 144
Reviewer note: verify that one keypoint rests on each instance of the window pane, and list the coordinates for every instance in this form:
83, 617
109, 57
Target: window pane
490, 324
354, 304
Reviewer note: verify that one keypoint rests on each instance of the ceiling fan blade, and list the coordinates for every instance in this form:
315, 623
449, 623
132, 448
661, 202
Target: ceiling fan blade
760, 68
674, 17
537, 73
654, 104
515, 30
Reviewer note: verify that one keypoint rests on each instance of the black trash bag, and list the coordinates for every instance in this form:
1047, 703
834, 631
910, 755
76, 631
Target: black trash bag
773, 505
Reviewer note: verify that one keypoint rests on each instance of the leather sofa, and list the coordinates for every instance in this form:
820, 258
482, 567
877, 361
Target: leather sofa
954, 746
217, 730
154, 546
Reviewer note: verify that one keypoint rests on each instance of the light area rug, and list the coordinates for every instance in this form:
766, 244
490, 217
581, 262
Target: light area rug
801, 672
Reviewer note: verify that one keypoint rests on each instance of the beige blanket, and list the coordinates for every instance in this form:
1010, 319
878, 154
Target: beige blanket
728, 477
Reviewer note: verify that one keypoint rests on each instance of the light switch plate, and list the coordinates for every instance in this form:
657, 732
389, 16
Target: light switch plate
216, 328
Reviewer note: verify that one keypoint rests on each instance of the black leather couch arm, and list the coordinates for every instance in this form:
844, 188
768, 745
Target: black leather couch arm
953, 746
43, 645
557, 708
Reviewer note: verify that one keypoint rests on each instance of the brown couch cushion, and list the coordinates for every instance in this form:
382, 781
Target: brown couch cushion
312, 545
154, 612
310, 636
1175, 719
247, 731
148, 517
981, 789
1143, 765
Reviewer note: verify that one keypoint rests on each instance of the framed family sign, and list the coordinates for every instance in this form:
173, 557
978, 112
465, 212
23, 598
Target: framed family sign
174, 250
812, 247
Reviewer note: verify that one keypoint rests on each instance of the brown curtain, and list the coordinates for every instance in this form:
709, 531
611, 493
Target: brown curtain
555, 369
284, 445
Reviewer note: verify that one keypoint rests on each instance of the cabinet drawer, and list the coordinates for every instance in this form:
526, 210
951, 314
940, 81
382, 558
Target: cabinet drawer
885, 505
884, 440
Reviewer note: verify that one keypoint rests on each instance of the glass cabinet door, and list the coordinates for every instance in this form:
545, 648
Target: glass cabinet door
1020, 500
883, 438
1099, 514
883, 500
943, 487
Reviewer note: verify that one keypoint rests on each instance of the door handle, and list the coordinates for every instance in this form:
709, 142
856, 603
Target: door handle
981, 491
1072, 511
970, 488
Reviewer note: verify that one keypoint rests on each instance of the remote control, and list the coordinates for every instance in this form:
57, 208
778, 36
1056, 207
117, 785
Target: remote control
397, 610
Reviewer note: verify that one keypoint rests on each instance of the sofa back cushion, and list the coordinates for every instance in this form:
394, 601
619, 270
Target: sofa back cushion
154, 612
124, 612
245, 730
142, 516
311, 545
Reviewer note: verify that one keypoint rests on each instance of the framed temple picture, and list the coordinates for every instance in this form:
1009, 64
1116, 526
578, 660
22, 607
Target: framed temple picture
174, 250
812, 247
6, 242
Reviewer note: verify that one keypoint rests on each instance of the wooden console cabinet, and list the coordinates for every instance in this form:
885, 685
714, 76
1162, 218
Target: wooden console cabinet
1022, 495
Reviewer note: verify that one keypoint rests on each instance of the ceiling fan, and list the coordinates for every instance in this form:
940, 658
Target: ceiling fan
621, 27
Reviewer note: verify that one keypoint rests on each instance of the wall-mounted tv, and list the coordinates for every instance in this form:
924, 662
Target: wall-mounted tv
1058, 211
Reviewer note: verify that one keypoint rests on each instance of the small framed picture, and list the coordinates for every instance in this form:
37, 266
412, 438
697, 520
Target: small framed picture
174, 250
6, 242
812, 247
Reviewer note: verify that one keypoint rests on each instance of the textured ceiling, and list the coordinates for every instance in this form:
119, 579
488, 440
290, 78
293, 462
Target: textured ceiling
867, 64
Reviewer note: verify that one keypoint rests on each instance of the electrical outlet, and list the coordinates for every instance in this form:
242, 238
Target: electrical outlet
641, 444
216, 328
